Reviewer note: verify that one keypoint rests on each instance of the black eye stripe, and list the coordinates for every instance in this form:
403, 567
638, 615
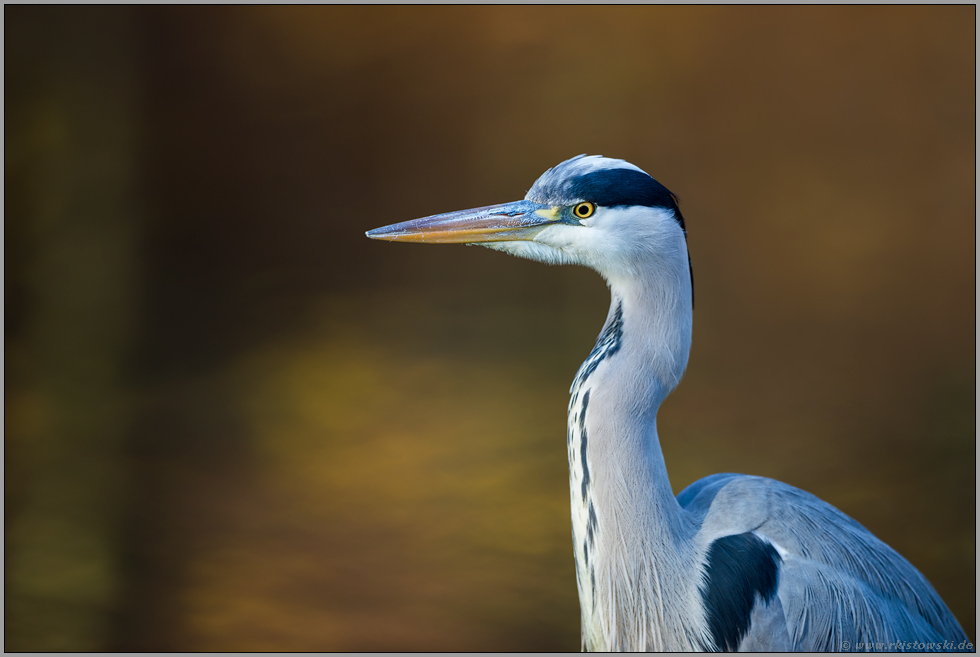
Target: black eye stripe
621, 187
614, 187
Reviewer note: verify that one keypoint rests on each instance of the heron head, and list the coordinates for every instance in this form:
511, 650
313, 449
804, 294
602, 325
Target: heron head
599, 212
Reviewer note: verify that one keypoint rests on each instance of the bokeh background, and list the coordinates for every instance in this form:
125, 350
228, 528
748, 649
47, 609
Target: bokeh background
234, 423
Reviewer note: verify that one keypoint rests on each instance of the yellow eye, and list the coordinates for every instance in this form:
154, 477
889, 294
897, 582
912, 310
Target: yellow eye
584, 210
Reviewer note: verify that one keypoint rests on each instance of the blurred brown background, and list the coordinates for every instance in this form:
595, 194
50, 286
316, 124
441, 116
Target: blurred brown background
234, 423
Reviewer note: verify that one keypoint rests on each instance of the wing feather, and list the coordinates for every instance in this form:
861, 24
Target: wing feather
838, 582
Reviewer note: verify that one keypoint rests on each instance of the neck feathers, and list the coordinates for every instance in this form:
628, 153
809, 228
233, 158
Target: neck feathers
657, 299
630, 535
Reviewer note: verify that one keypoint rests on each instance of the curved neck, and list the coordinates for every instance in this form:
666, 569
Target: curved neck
654, 313
657, 300
653, 310
629, 530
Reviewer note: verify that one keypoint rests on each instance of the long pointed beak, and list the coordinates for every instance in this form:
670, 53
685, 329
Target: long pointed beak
508, 222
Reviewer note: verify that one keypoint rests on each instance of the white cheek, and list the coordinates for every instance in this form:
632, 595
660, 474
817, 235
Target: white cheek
561, 236
531, 251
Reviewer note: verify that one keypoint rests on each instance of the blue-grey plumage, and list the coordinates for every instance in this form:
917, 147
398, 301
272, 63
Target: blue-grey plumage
734, 562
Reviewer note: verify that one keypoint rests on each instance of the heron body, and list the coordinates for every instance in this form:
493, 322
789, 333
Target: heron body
734, 562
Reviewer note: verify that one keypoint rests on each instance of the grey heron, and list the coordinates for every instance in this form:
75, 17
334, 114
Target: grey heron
734, 562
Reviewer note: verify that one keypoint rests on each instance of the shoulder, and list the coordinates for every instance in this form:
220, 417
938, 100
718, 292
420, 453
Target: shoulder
823, 554
731, 503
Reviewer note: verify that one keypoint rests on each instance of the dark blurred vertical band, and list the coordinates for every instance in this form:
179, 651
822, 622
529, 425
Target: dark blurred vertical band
70, 218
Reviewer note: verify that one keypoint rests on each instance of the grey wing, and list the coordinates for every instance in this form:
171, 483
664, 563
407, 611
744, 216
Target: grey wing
839, 587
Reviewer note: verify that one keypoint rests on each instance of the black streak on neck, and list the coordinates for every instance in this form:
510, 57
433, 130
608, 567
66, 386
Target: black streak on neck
608, 344
584, 442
